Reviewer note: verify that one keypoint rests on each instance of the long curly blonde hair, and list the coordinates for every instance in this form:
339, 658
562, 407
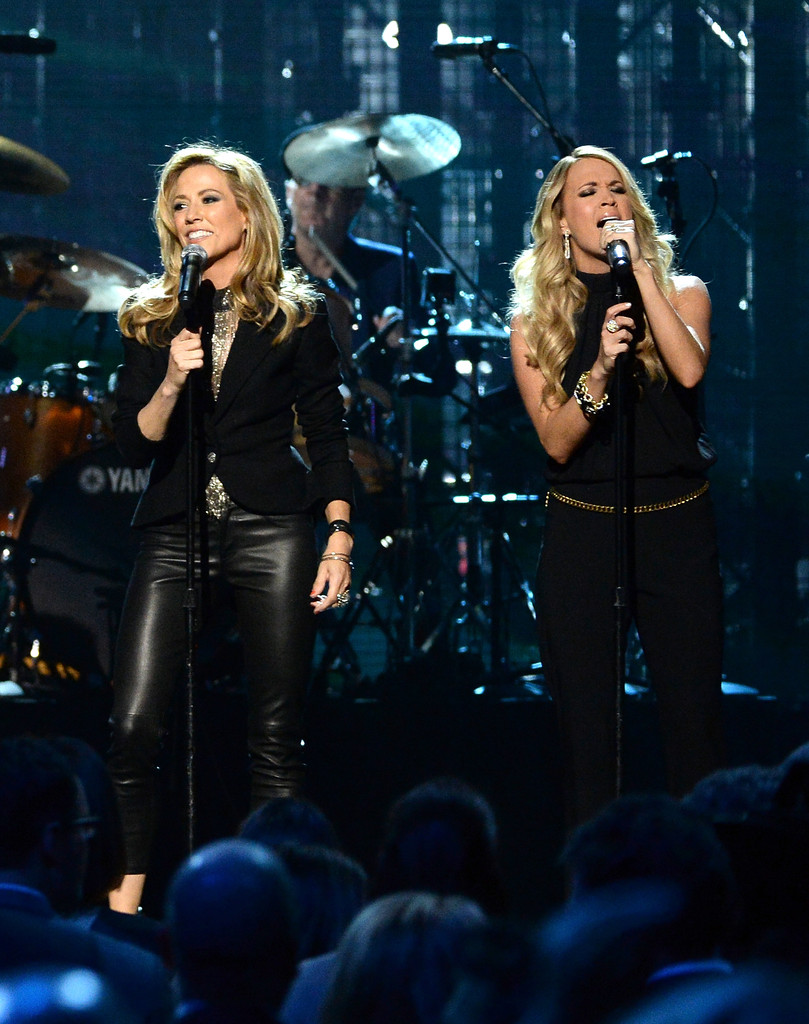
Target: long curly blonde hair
547, 293
260, 286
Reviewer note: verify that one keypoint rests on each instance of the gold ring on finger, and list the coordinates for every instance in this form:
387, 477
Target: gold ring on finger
612, 325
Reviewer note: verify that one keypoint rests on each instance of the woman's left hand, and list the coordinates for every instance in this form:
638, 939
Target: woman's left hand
332, 583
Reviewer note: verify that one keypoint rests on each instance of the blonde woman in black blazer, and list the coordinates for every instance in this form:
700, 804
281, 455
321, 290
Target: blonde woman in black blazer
257, 349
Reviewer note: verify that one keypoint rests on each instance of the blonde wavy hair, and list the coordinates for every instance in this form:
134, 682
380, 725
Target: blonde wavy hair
547, 295
260, 286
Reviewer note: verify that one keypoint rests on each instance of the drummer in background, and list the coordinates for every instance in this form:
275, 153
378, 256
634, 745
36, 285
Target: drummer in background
361, 279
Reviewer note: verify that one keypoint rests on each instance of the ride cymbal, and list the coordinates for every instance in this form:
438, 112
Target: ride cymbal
64, 275
26, 171
347, 152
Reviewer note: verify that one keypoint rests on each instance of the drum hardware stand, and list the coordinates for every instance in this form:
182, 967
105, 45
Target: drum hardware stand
99, 332
20, 644
403, 550
470, 609
12, 659
396, 554
389, 198
339, 652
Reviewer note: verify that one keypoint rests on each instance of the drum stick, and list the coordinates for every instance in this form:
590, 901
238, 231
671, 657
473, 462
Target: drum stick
346, 275
29, 307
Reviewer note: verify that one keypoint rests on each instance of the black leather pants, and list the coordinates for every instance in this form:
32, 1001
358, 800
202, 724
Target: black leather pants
270, 563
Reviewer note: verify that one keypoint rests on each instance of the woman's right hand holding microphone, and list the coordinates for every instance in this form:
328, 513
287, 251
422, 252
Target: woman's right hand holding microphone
186, 354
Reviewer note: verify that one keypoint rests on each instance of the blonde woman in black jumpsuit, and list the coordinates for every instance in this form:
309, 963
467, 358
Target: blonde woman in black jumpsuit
566, 333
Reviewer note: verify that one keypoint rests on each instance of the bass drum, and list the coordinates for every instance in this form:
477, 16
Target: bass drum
42, 425
76, 551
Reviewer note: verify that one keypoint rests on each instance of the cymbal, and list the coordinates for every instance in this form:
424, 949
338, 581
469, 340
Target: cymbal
64, 275
24, 170
483, 332
466, 331
347, 152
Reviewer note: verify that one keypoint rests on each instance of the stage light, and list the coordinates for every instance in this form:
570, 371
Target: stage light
389, 36
444, 34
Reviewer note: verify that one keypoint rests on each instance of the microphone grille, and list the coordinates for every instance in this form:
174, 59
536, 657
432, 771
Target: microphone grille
195, 251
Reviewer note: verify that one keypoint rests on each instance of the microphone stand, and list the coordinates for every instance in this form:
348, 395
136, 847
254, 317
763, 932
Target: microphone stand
565, 144
669, 192
619, 278
189, 307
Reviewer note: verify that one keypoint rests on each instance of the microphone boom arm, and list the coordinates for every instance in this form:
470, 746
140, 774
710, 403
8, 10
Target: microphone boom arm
566, 146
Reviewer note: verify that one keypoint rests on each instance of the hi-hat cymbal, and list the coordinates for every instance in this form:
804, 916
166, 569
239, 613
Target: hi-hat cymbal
64, 275
348, 151
24, 170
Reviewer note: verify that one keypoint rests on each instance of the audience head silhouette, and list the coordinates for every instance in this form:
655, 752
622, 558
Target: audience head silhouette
44, 822
441, 837
231, 920
652, 836
396, 962
330, 890
289, 819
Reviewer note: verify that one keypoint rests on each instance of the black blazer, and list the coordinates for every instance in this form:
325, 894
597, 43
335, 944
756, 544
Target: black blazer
246, 434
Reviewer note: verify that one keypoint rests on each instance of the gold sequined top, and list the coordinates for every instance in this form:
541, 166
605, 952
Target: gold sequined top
225, 322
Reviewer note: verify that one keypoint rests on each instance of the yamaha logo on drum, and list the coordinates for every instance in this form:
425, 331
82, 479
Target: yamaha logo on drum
96, 479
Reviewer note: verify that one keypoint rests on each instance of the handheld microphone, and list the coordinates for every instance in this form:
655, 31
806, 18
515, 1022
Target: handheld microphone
618, 256
662, 158
469, 46
194, 258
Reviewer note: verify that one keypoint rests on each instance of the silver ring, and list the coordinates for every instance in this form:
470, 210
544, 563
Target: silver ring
343, 599
612, 325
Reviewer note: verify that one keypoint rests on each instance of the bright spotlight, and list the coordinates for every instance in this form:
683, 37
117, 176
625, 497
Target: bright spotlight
444, 34
389, 36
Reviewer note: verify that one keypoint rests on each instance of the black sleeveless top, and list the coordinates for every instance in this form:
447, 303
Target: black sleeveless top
668, 452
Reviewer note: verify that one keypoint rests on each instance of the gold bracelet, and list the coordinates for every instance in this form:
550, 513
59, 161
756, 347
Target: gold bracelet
337, 556
588, 405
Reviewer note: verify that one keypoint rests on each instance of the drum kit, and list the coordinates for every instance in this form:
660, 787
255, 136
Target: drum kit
65, 498
416, 619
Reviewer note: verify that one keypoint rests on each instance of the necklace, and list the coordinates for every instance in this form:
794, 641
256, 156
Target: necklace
225, 322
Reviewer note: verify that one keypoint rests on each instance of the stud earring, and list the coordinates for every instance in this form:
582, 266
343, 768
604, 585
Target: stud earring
567, 245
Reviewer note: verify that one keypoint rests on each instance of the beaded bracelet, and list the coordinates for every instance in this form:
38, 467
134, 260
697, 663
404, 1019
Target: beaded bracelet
588, 405
340, 526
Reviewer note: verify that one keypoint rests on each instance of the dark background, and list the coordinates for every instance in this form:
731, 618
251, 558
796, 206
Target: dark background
724, 81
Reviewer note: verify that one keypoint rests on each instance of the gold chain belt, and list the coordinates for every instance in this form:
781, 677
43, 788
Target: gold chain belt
656, 506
